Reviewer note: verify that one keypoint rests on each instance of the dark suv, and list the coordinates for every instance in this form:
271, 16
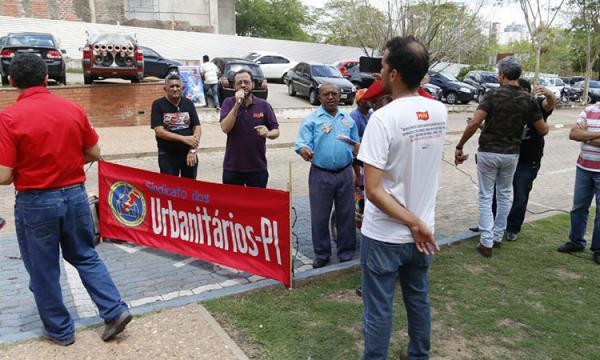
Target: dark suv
482, 80
306, 78
156, 65
453, 91
42, 44
229, 66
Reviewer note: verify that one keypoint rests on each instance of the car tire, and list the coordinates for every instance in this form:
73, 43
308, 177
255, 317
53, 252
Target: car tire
4, 80
62, 79
313, 98
284, 78
88, 79
589, 100
291, 91
451, 98
135, 80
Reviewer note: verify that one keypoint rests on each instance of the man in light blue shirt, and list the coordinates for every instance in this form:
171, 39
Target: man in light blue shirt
329, 139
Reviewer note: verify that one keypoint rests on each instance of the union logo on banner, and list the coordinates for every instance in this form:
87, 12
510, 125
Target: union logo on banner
127, 203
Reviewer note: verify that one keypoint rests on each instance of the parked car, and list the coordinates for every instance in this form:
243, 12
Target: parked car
273, 65
571, 80
112, 55
305, 78
41, 44
482, 80
593, 93
554, 84
433, 90
156, 65
343, 66
229, 66
453, 91
359, 79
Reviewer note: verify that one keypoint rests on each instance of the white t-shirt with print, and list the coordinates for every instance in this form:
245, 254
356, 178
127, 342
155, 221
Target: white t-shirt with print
405, 139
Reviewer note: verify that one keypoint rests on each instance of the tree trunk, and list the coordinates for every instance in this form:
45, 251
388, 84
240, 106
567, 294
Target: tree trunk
538, 56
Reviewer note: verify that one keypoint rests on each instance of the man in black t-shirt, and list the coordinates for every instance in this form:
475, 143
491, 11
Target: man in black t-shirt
532, 149
177, 128
505, 110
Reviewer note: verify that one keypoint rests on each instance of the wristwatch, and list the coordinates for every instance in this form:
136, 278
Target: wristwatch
193, 151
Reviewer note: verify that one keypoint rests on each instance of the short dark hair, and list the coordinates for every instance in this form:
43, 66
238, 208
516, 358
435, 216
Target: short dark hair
510, 68
524, 84
242, 71
28, 70
205, 58
409, 57
172, 76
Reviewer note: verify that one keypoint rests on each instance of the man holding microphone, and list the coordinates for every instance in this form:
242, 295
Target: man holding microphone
248, 121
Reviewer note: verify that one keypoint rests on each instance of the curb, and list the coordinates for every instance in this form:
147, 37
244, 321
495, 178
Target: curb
232, 290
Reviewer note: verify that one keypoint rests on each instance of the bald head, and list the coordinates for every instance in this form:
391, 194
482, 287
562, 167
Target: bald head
327, 88
329, 96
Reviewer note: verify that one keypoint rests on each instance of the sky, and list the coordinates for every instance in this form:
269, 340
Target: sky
505, 14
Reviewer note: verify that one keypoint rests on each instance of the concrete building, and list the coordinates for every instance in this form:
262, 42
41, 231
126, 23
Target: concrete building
212, 16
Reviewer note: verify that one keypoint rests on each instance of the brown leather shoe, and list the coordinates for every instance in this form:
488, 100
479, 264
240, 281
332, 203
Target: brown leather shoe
485, 252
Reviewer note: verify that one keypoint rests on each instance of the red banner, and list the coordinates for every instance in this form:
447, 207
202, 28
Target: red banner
244, 228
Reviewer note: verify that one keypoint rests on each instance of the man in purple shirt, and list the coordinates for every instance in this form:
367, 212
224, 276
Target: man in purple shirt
248, 121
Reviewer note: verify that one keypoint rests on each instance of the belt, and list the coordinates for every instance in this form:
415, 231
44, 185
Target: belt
334, 171
33, 191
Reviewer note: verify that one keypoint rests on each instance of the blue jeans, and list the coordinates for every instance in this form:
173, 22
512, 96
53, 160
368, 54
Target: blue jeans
494, 170
381, 264
522, 185
44, 221
176, 165
214, 89
251, 178
587, 185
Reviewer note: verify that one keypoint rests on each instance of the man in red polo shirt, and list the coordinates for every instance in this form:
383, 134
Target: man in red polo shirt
44, 142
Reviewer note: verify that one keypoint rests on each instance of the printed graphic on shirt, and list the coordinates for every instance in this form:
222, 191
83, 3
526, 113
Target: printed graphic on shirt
423, 115
423, 132
258, 115
176, 121
326, 128
346, 123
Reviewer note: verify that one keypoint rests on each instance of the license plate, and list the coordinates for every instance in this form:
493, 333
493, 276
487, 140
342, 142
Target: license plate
343, 96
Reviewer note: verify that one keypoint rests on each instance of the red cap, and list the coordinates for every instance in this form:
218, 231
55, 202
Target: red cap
374, 91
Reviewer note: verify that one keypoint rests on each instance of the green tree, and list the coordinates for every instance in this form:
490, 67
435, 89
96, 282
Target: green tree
274, 19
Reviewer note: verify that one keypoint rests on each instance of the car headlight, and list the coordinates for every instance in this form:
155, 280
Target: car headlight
464, 89
354, 89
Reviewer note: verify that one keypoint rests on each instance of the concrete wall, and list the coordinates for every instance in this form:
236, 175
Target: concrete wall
106, 105
187, 15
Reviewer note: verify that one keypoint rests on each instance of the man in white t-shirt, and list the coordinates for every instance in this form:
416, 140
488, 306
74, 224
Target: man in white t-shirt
211, 79
401, 151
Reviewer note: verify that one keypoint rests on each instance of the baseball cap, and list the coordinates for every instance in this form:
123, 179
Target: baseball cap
359, 95
374, 91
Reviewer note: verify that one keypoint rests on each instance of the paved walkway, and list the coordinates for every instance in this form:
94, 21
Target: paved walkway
153, 280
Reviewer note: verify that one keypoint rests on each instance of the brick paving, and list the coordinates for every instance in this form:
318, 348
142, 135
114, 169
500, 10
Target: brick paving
146, 276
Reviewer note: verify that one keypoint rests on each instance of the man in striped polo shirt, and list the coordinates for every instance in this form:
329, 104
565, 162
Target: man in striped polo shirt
587, 181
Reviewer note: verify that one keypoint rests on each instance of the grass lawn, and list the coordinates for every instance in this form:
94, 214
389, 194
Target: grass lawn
527, 302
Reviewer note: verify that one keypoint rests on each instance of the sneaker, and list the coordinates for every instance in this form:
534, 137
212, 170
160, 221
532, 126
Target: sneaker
319, 263
116, 326
570, 247
67, 342
497, 244
511, 236
474, 229
597, 257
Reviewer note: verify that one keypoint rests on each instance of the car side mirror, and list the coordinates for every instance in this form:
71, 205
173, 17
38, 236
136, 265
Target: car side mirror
259, 62
63, 51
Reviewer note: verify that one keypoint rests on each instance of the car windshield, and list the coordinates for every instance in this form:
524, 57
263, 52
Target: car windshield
489, 78
235, 67
559, 82
448, 77
251, 56
37, 40
325, 71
